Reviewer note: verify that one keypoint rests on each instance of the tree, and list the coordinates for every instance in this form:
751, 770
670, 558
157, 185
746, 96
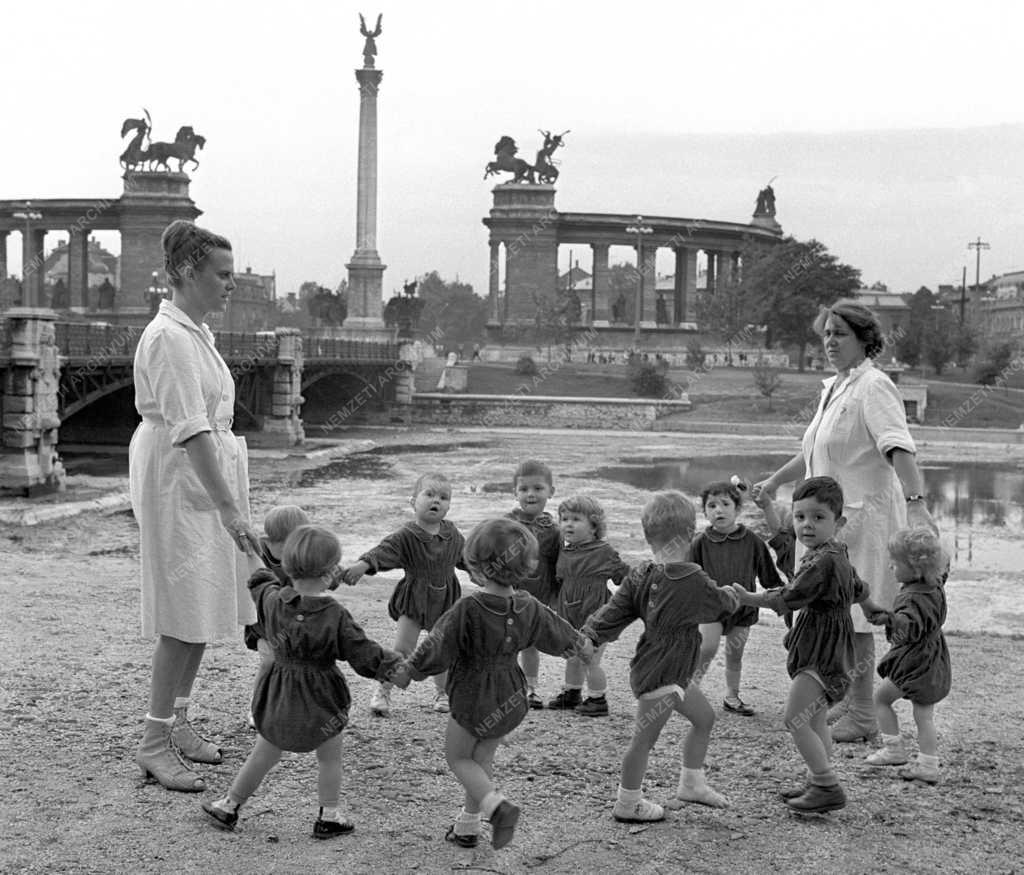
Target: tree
787, 283
910, 348
766, 379
452, 311
726, 312
941, 340
994, 363
966, 343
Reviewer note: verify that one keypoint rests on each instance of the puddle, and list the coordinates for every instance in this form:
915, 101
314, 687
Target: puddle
408, 449
654, 473
358, 466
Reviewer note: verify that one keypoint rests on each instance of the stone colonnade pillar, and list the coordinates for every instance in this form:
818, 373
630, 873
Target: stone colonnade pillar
711, 280
3, 257
685, 282
493, 284
78, 267
29, 464
285, 421
600, 290
32, 267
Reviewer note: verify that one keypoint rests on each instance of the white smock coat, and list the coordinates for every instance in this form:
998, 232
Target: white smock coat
193, 575
848, 440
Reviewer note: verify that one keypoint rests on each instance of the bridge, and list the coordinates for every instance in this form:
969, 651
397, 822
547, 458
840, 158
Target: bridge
55, 371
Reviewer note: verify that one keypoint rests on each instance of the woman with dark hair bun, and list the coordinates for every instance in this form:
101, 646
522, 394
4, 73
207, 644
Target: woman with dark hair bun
859, 436
190, 493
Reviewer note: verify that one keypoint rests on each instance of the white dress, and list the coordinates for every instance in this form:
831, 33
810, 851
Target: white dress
193, 576
848, 440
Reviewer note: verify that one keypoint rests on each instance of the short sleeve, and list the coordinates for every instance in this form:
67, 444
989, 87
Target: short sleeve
885, 416
173, 369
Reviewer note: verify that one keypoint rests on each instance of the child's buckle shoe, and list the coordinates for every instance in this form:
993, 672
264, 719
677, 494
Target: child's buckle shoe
641, 811
328, 829
503, 823
534, 701
565, 700
889, 755
593, 706
441, 703
463, 841
222, 818
380, 703
846, 730
738, 706
917, 772
819, 799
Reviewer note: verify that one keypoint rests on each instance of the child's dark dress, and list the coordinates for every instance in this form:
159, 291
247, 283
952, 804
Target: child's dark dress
738, 557
303, 700
478, 641
671, 600
252, 633
429, 586
583, 572
543, 583
918, 661
821, 640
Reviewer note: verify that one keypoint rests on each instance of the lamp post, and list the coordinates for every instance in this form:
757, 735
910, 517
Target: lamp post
28, 296
640, 229
156, 293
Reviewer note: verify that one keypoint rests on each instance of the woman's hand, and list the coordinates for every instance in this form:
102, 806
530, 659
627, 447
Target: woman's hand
241, 532
354, 572
919, 517
764, 491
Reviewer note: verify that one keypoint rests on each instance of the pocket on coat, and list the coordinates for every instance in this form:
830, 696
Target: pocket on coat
186, 482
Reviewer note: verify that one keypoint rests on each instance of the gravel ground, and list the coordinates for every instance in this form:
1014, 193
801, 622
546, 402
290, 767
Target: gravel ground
75, 682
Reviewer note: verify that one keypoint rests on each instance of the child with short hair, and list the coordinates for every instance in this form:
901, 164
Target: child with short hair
917, 665
428, 549
533, 486
671, 595
477, 642
820, 644
729, 553
586, 562
301, 703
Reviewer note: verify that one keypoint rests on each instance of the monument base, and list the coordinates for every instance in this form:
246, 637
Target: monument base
766, 222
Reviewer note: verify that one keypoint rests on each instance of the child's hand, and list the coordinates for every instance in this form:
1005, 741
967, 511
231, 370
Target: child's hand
401, 675
585, 651
335, 575
352, 574
745, 597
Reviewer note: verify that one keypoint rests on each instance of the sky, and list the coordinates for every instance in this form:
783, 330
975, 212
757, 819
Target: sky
894, 131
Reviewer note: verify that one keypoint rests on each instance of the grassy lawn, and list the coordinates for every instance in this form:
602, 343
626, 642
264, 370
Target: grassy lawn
728, 394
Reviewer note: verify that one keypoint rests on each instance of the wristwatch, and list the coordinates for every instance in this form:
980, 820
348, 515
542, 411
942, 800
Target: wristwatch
915, 497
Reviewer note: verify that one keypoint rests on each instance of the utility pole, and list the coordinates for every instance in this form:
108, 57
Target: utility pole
978, 245
963, 294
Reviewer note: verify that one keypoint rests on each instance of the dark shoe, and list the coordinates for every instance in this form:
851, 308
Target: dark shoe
794, 792
462, 841
534, 701
817, 799
328, 829
221, 819
503, 823
593, 706
738, 706
565, 700
847, 730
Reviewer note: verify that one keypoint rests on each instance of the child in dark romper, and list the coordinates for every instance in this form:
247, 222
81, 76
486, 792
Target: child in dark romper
533, 486
477, 642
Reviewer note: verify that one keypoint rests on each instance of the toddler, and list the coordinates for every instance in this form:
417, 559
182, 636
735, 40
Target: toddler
428, 549
729, 552
585, 564
672, 595
477, 642
533, 487
301, 702
917, 665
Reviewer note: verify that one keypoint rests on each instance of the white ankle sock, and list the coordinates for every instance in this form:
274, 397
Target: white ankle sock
929, 761
596, 694
630, 797
467, 823
181, 702
892, 740
329, 812
167, 720
692, 779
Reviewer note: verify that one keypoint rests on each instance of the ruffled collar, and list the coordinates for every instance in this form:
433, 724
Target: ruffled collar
445, 533
499, 604
543, 520
309, 604
717, 537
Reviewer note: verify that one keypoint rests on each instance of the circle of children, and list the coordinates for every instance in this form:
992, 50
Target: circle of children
542, 585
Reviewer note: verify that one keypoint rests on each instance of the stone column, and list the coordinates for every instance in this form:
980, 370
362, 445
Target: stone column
493, 278
712, 282
3, 257
685, 282
365, 270
32, 267
599, 284
29, 464
283, 426
649, 287
505, 308
78, 268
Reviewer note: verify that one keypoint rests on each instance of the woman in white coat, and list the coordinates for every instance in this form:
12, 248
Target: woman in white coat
189, 487
859, 436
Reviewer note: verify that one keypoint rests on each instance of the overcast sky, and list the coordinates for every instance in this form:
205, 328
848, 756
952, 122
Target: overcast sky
896, 130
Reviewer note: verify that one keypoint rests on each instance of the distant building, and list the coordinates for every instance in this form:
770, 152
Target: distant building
104, 266
891, 308
252, 306
1000, 310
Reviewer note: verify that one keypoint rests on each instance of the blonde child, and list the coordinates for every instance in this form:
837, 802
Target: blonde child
428, 549
917, 665
586, 562
301, 703
820, 644
671, 595
729, 553
477, 642
533, 486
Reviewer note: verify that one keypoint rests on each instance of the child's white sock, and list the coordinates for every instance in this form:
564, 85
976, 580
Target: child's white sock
329, 812
691, 779
693, 787
227, 804
467, 823
167, 720
628, 798
595, 693
929, 761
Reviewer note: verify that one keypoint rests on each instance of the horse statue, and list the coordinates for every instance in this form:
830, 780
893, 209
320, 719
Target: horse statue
135, 154
545, 168
505, 150
186, 141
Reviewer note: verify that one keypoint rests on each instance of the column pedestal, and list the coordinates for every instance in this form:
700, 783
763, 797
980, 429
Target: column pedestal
283, 425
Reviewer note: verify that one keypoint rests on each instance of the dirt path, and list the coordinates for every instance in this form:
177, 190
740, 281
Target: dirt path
74, 685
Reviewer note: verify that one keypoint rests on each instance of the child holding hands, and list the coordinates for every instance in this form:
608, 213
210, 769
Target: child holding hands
672, 596
477, 642
917, 665
428, 549
301, 702
820, 644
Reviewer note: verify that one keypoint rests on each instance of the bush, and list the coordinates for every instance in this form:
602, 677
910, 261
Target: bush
766, 379
694, 355
526, 366
649, 381
994, 364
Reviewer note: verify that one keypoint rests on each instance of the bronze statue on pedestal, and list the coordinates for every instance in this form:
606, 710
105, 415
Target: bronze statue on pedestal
370, 46
183, 149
